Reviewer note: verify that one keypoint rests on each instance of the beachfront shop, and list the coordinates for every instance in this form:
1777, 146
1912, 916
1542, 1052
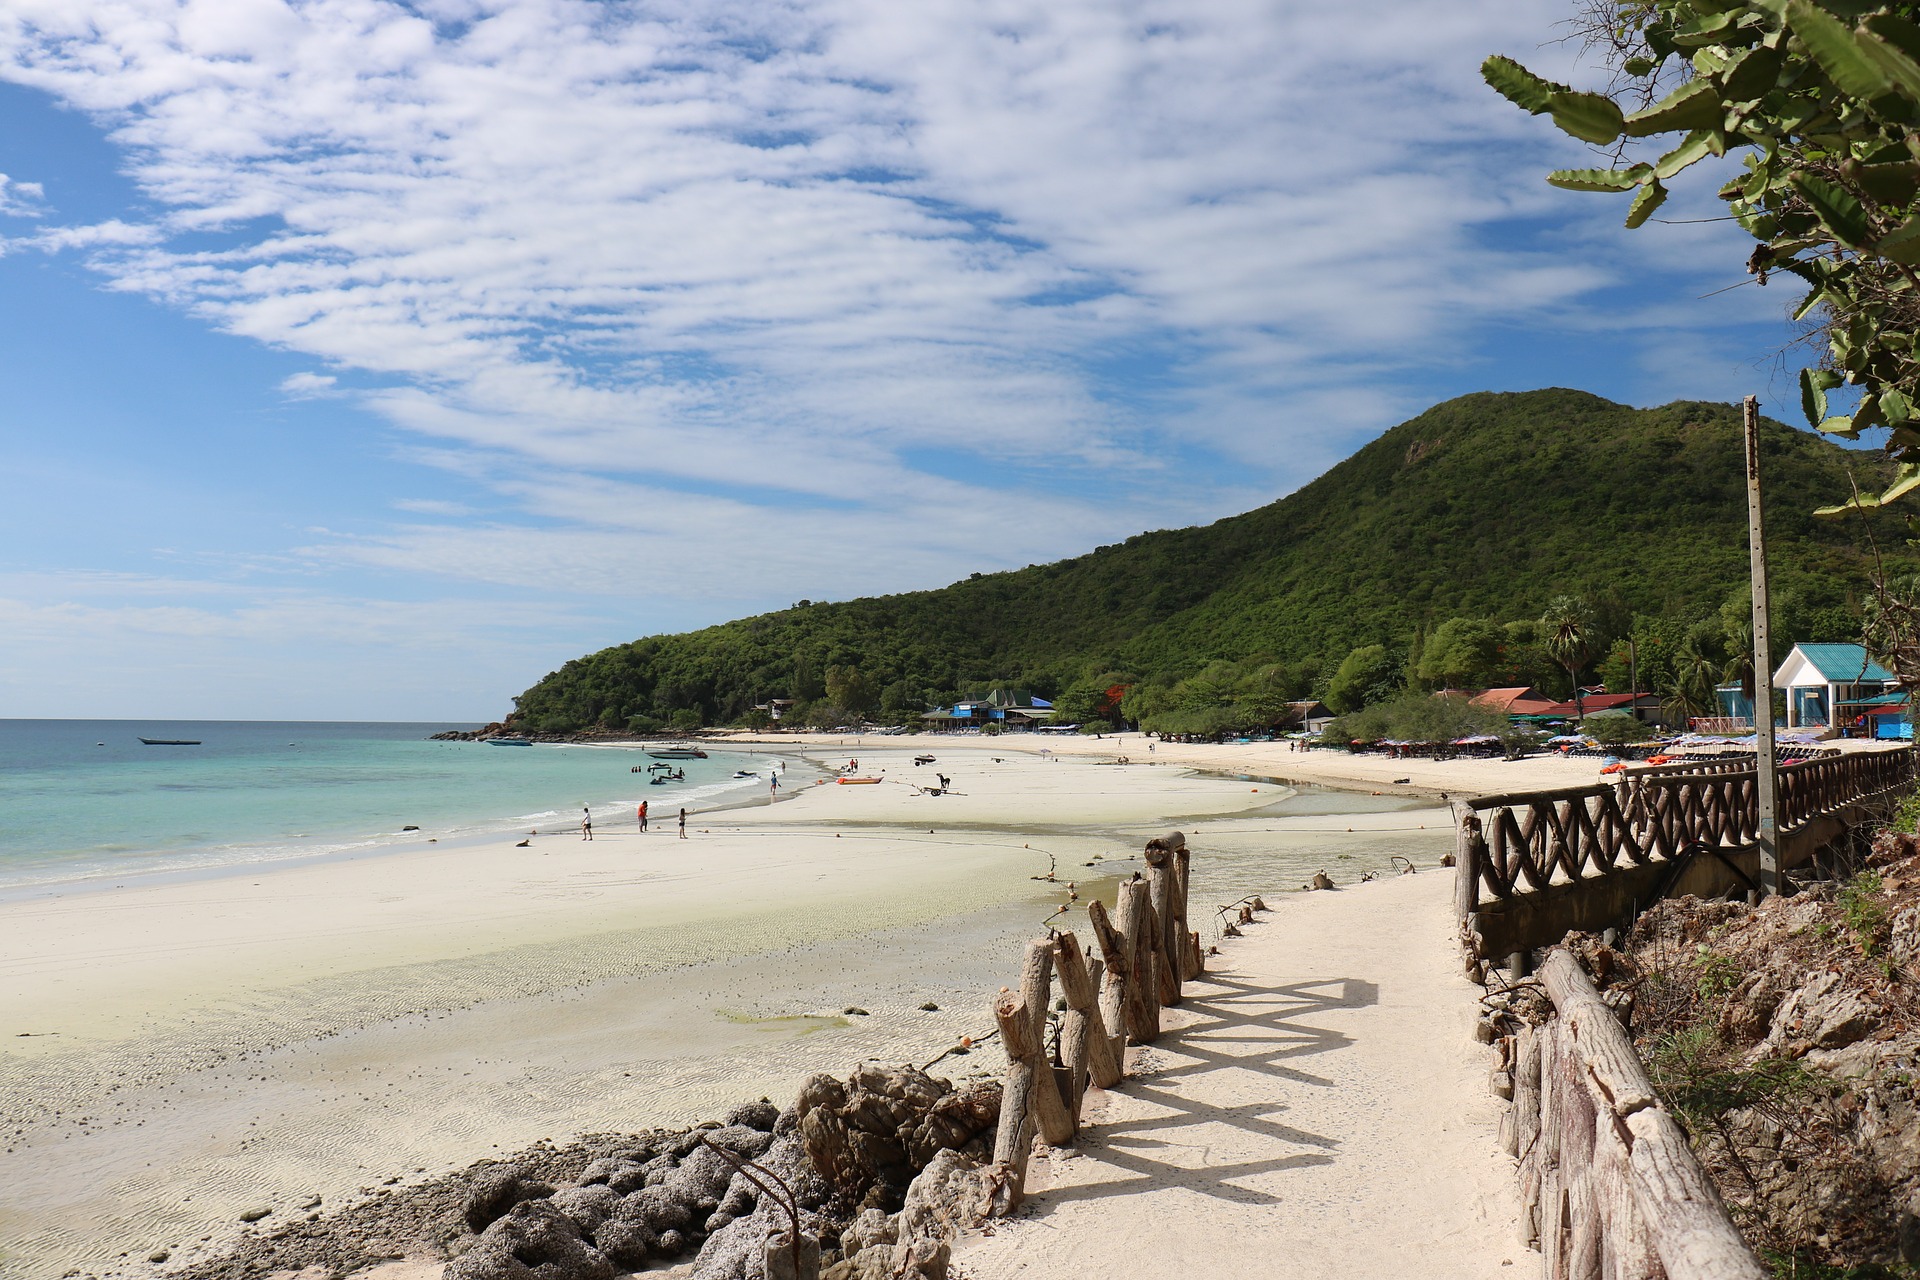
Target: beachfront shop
1003, 710
1885, 715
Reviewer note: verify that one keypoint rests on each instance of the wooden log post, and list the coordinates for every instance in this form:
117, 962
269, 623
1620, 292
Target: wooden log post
1113, 980
1076, 983
1013, 1140
1162, 887
1036, 987
1679, 1213
1467, 844
1076, 1046
1182, 871
1030, 1103
1143, 973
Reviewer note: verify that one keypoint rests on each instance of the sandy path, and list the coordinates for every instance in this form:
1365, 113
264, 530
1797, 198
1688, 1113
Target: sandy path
1322, 1111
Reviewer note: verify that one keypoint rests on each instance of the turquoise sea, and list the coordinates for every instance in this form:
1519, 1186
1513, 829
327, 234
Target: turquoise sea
84, 800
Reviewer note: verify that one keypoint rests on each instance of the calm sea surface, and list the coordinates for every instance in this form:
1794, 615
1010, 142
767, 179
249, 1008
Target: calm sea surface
83, 799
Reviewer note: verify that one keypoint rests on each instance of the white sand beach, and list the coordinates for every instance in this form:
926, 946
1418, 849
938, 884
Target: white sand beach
178, 1050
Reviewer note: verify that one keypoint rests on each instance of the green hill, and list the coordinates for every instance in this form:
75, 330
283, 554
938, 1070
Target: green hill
1487, 506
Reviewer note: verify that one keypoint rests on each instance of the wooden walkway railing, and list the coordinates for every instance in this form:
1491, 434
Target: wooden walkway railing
1609, 1185
1532, 865
1147, 956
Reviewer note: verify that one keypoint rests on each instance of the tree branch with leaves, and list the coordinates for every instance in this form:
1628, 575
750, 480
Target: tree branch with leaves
1823, 101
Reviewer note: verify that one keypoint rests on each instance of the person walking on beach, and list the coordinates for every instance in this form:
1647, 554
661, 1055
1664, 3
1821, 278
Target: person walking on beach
683, 824
773, 786
586, 823
643, 815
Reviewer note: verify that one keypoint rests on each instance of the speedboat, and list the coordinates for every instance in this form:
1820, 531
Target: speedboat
171, 742
745, 773
509, 742
676, 753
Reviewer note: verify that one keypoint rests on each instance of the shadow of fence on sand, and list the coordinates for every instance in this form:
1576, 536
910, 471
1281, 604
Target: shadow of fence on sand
1234, 1027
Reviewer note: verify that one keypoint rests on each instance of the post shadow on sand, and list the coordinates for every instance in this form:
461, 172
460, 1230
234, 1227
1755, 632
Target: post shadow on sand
1251, 1015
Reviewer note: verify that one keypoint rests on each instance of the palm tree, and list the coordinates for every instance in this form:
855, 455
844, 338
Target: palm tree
1740, 663
1569, 624
1690, 692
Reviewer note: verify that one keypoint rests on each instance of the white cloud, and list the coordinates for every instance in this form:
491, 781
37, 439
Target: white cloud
433, 507
704, 234
307, 385
21, 199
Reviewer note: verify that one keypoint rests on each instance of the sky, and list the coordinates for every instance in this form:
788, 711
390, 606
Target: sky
368, 360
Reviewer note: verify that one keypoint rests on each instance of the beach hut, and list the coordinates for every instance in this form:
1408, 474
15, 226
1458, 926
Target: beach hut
1884, 715
1818, 678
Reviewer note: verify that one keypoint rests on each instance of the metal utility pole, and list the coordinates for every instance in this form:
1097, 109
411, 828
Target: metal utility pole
1762, 658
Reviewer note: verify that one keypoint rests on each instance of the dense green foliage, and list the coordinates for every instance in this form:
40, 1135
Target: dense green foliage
1419, 717
1485, 509
1823, 99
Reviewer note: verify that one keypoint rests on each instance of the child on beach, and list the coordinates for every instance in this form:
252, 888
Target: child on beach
586, 823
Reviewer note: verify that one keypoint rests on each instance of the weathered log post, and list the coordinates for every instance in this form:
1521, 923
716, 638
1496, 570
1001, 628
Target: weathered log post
1143, 973
1030, 1103
1076, 983
1177, 933
1168, 934
1113, 984
1036, 987
1013, 1140
1467, 845
1669, 1204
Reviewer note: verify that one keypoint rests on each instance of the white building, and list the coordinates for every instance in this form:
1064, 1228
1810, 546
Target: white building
1817, 678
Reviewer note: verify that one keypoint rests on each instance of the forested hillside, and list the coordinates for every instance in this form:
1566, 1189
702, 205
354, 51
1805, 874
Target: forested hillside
1483, 511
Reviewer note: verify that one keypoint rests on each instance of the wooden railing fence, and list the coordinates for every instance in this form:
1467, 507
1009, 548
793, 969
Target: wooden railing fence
1147, 955
1515, 852
1609, 1185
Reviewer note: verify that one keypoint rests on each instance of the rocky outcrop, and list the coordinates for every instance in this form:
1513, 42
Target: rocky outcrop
497, 1190
536, 1240
882, 1168
1786, 1036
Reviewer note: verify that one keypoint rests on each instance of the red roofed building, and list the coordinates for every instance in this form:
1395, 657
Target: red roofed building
1642, 706
1521, 701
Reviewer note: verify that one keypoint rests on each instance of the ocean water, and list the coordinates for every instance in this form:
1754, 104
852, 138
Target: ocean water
85, 800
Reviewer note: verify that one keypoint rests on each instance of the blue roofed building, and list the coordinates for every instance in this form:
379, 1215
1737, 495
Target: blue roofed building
1825, 683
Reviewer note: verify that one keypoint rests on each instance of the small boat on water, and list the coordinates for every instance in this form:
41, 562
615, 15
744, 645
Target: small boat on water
171, 742
860, 782
745, 773
676, 753
509, 742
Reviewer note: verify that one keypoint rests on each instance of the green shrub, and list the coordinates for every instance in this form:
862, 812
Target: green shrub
1615, 729
1864, 910
1419, 717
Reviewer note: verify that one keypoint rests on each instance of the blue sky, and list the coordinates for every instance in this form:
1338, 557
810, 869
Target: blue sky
368, 360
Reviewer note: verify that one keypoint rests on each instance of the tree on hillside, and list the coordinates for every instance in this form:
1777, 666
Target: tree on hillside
850, 691
1368, 675
1823, 101
1688, 690
1569, 639
1462, 653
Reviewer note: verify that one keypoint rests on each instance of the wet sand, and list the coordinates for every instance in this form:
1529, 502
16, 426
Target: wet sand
175, 1052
